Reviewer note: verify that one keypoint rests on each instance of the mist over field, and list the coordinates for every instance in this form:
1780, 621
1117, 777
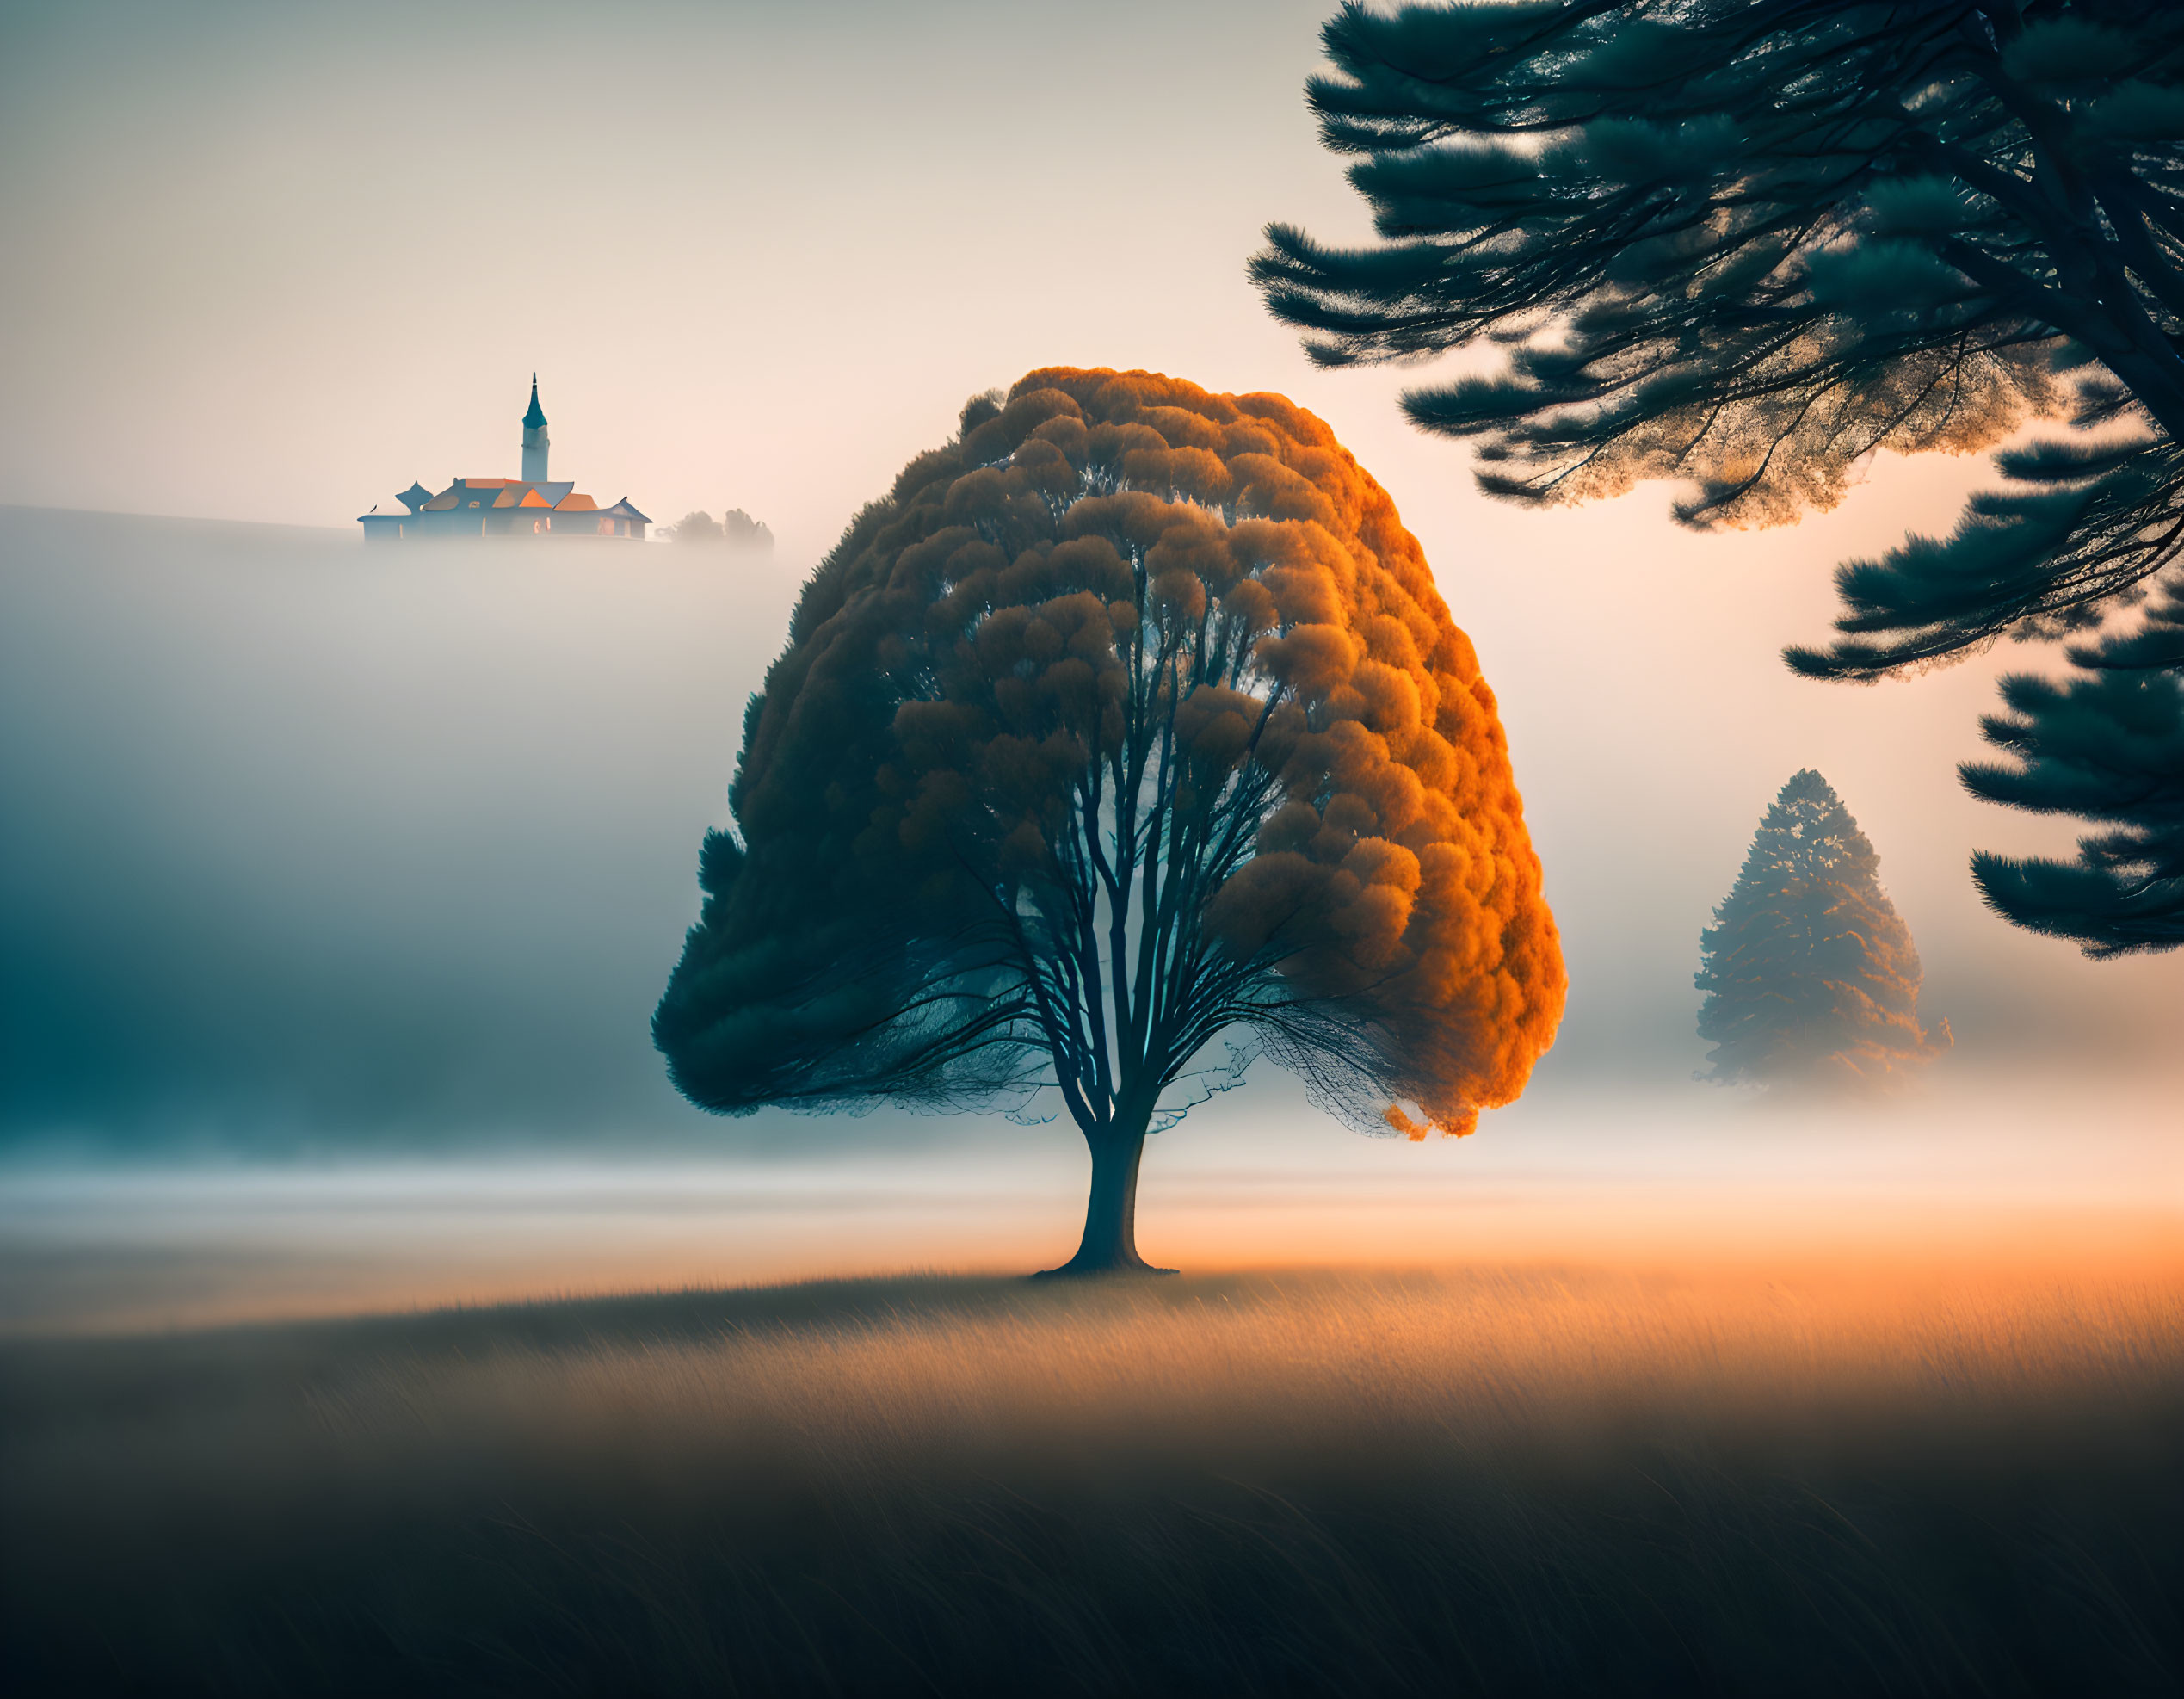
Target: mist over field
371, 866
314, 851
321, 847
375, 1315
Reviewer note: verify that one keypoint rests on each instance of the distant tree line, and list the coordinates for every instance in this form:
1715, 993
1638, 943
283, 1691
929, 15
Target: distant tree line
733, 530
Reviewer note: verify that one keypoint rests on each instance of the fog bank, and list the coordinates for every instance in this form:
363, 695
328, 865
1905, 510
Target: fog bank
312, 849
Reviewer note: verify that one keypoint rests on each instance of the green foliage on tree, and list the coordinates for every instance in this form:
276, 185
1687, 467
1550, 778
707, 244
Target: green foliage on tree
1810, 974
1741, 243
2108, 745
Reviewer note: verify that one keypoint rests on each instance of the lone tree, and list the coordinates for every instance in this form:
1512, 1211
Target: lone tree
1128, 720
2108, 746
1741, 243
1810, 972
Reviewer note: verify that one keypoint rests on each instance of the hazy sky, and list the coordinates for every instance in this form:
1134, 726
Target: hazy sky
274, 261
296, 841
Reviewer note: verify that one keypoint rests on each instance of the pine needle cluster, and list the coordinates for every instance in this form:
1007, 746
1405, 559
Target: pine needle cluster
2108, 747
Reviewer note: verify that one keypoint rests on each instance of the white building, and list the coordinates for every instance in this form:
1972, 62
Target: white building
529, 506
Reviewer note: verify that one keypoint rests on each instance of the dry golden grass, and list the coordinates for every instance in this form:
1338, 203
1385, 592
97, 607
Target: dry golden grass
1807, 1480
1485, 1357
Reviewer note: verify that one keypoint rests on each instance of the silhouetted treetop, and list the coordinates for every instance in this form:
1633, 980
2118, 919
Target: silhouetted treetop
696, 527
739, 530
733, 530
1129, 717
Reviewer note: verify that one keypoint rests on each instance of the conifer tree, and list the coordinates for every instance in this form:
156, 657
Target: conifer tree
2108, 745
1740, 245
1810, 974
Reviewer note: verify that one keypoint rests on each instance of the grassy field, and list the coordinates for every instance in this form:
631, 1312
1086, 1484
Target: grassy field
1799, 1481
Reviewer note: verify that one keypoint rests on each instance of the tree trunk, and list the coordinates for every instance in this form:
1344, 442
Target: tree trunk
1110, 1244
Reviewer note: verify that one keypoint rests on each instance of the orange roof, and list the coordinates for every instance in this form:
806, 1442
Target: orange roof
514, 492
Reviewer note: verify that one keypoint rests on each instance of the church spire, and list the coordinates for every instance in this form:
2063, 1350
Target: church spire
534, 438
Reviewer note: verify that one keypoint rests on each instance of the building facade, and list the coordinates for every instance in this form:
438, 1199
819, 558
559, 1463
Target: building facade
530, 506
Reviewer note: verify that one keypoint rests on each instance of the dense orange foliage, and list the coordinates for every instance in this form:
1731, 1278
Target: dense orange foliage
1016, 592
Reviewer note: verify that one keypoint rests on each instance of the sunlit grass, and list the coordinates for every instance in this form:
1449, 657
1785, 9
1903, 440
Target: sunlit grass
1803, 1479
1491, 1355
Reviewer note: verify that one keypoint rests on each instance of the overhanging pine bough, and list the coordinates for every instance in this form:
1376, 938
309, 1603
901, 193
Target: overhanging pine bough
2108, 746
1129, 720
1740, 244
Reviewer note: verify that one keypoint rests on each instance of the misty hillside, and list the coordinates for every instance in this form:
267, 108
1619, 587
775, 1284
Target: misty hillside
306, 842
308, 845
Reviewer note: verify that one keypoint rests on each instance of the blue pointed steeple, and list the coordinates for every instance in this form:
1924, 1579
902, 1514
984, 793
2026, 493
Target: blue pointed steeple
534, 438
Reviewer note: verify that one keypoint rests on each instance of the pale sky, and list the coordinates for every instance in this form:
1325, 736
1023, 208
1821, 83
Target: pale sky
271, 261
274, 261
